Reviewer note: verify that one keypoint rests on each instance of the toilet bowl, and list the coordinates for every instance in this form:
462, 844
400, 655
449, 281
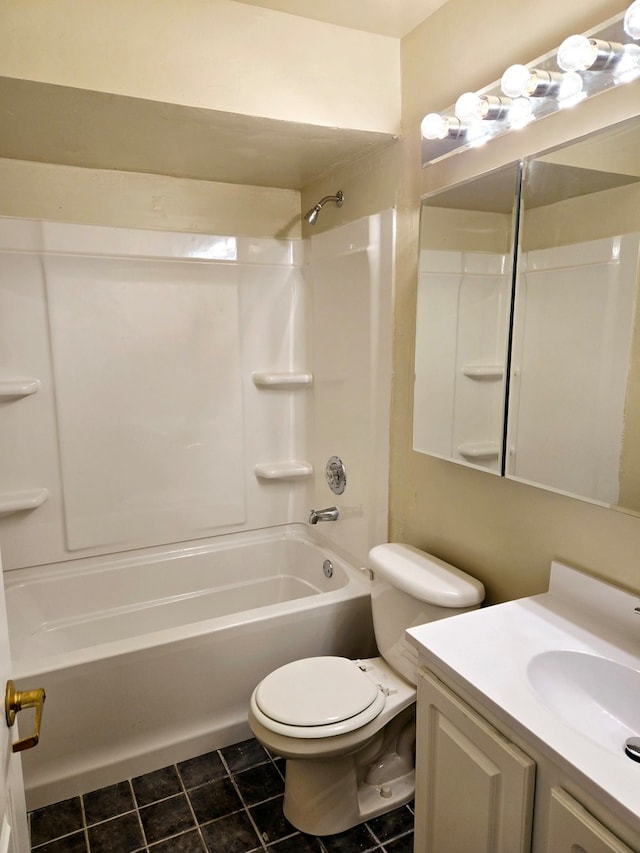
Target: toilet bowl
347, 728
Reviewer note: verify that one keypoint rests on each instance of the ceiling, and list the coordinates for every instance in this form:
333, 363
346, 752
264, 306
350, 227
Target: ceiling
394, 18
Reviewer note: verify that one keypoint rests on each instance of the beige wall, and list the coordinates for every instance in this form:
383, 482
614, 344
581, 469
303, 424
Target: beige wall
214, 54
504, 532
135, 200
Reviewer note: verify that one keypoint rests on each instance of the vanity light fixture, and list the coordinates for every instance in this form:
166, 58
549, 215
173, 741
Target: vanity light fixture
582, 66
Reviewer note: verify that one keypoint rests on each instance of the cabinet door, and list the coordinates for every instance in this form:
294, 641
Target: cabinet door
474, 788
573, 830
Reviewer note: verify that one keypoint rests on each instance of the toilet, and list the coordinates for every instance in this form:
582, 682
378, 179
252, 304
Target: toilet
347, 728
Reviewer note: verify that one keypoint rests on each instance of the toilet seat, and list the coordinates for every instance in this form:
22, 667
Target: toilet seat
317, 697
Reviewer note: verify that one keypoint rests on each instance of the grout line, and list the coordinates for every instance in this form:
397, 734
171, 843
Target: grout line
143, 834
195, 819
262, 842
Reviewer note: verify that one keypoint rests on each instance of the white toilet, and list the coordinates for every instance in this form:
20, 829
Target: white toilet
347, 728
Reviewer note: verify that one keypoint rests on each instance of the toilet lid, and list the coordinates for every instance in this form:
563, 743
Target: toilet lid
315, 692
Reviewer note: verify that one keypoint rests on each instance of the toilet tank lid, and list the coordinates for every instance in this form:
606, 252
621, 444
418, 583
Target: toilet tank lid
424, 576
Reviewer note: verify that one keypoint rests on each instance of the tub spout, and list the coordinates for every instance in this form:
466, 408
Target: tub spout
331, 513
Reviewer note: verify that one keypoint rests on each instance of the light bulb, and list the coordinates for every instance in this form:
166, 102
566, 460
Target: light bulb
576, 53
571, 89
629, 66
520, 112
477, 134
471, 107
435, 126
515, 81
579, 53
518, 81
632, 20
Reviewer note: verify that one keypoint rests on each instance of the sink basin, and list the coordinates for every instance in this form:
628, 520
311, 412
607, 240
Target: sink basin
592, 694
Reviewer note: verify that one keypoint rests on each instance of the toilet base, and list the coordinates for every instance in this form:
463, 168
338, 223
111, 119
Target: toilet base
322, 798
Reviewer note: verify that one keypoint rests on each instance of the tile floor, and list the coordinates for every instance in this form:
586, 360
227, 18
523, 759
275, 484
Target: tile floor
228, 801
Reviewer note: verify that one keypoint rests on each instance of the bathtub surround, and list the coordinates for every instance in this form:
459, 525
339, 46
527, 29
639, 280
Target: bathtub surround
147, 428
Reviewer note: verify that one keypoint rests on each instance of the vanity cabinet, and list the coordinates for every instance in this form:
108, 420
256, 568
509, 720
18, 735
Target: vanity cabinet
571, 828
474, 788
477, 791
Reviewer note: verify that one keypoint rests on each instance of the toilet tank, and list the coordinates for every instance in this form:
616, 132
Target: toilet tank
411, 587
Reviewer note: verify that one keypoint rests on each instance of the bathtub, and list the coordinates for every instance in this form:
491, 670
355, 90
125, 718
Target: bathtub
149, 658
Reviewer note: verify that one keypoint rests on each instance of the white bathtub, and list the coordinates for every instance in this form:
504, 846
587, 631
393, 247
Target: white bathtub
149, 658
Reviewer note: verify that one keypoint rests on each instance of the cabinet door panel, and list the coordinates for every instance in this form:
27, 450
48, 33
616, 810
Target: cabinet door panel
573, 830
474, 789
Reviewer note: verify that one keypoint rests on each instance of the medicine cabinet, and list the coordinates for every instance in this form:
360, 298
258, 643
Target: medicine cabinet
527, 343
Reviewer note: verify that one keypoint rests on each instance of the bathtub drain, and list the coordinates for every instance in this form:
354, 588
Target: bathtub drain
327, 568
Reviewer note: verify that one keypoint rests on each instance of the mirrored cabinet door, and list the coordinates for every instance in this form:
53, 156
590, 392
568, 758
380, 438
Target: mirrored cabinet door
574, 401
465, 275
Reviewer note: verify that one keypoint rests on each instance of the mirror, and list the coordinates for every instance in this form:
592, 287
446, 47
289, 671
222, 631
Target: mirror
465, 275
574, 402
571, 404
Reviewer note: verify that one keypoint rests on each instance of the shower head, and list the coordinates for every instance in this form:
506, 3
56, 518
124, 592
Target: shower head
312, 215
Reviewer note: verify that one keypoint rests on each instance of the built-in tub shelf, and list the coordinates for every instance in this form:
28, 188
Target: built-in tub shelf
12, 389
11, 502
287, 470
282, 380
479, 450
490, 372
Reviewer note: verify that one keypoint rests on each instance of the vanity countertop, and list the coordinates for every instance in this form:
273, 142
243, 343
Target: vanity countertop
562, 669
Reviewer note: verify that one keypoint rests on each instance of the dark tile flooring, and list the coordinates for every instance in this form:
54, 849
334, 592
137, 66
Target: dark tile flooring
228, 801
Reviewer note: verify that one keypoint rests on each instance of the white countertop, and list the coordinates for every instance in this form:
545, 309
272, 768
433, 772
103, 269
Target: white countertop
489, 650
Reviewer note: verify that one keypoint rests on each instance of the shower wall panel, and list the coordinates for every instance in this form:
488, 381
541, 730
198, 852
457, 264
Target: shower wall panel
569, 379
351, 278
462, 314
146, 361
146, 425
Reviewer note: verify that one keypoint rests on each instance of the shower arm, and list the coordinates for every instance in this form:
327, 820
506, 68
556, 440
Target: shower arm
338, 198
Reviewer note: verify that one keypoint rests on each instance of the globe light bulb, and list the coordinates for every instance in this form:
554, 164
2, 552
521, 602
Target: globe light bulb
472, 108
571, 89
515, 81
628, 68
436, 126
520, 112
577, 53
469, 107
632, 20
477, 134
